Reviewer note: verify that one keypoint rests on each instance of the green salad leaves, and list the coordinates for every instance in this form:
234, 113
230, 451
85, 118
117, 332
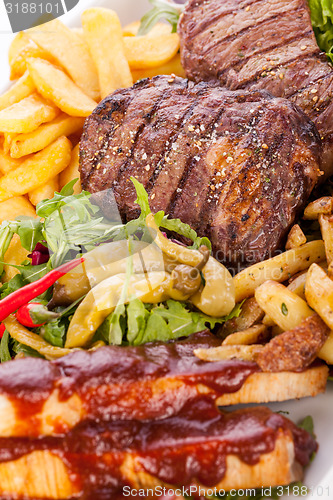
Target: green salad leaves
162, 9
322, 22
137, 323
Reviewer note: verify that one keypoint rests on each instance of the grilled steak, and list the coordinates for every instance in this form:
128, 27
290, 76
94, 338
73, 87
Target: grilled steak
249, 44
236, 166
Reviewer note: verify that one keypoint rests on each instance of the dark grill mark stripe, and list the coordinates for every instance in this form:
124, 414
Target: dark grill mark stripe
190, 164
253, 79
147, 121
312, 83
248, 28
206, 26
161, 164
104, 146
284, 43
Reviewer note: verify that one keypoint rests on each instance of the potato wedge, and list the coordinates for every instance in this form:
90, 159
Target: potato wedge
279, 268
15, 255
37, 170
298, 285
172, 67
25, 144
326, 352
103, 32
55, 85
7, 163
284, 307
69, 51
22, 48
323, 206
19, 205
21, 89
253, 335
296, 237
72, 172
244, 352
250, 314
25, 116
148, 52
7, 141
319, 293
326, 227
45, 192
159, 29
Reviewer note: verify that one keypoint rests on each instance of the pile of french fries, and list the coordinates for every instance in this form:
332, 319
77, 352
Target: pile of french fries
283, 291
60, 75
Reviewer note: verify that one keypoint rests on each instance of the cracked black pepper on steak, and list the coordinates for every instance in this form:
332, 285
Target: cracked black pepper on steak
237, 166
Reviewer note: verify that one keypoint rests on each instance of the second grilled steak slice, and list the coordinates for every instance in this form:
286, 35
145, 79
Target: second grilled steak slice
236, 166
249, 44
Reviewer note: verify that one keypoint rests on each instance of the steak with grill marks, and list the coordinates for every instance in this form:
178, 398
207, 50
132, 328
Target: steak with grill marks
236, 166
260, 44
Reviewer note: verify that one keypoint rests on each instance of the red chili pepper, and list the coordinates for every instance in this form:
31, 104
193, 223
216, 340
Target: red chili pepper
2, 330
34, 314
20, 297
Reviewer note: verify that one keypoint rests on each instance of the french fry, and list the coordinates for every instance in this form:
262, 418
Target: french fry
71, 52
103, 32
159, 29
7, 141
37, 170
45, 192
319, 293
247, 337
172, 67
250, 313
285, 308
7, 163
25, 144
296, 238
25, 116
278, 268
298, 285
21, 89
326, 352
148, 52
323, 206
19, 205
72, 172
244, 352
21, 48
15, 254
326, 227
55, 85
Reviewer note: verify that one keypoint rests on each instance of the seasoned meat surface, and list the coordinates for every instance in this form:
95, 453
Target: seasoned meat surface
236, 166
261, 44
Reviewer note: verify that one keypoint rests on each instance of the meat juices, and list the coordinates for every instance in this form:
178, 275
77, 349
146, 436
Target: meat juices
255, 44
238, 167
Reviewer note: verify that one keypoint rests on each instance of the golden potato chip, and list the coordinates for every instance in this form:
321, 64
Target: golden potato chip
72, 172
71, 52
25, 116
24, 144
55, 85
37, 170
21, 89
147, 51
103, 32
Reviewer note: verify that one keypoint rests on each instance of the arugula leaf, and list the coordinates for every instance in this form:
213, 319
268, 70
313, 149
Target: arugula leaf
322, 22
26, 350
54, 332
308, 425
179, 227
137, 316
4, 348
112, 330
162, 9
30, 232
11, 286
